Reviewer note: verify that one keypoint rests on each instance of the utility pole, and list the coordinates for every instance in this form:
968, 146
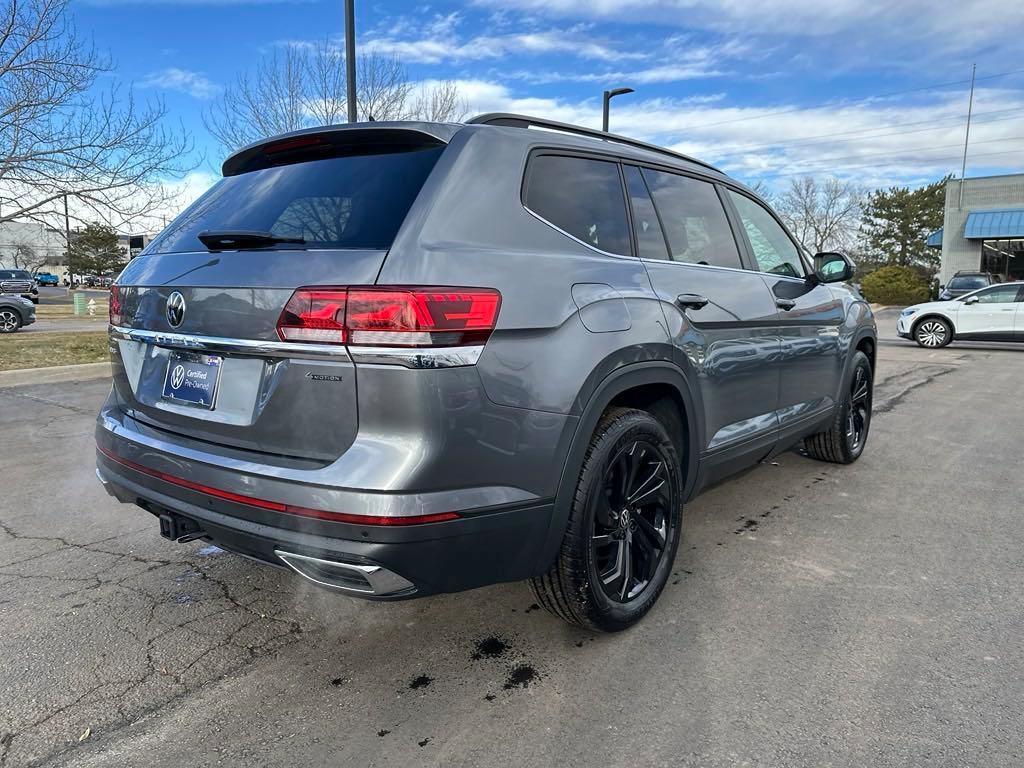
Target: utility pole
67, 239
608, 96
350, 60
967, 137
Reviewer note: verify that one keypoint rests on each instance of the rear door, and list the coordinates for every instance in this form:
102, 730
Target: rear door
992, 316
809, 318
721, 316
196, 345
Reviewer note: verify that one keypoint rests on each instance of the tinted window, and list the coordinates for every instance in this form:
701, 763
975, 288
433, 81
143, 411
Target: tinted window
967, 283
14, 274
339, 202
1002, 294
582, 197
649, 238
774, 251
695, 223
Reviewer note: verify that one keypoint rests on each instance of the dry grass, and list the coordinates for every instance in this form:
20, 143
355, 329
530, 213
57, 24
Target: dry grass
58, 311
42, 350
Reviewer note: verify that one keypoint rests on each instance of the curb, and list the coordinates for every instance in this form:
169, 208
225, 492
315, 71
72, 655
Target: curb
54, 375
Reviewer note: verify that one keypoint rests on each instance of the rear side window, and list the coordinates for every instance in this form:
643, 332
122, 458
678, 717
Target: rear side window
356, 201
650, 241
582, 197
695, 223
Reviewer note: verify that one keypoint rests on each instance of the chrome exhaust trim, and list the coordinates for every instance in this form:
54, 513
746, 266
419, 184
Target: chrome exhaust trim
347, 577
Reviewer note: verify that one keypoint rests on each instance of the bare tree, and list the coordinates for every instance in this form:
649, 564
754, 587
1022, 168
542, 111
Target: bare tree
441, 103
824, 216
302, 86
61, 135
28, 258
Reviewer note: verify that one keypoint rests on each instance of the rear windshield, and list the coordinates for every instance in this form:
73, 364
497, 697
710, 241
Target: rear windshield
356, 201
967, 283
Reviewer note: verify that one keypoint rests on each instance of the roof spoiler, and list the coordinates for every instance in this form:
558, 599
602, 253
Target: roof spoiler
337, 141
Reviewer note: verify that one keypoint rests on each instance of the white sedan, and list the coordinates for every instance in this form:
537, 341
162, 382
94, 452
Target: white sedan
995, 313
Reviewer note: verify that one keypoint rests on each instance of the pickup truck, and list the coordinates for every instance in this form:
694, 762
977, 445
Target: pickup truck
47, 278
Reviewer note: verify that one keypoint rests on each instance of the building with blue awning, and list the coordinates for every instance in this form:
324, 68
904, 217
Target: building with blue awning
983, 228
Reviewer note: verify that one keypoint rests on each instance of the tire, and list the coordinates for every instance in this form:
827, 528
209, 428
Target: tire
613, 530
10, 320
844, 441
933, 333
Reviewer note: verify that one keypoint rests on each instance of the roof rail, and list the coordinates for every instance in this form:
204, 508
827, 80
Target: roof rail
525, 121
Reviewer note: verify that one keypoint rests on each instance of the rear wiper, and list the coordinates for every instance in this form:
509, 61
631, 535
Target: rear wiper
229, 239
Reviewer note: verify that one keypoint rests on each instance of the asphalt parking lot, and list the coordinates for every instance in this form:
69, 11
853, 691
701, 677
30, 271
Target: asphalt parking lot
818, 616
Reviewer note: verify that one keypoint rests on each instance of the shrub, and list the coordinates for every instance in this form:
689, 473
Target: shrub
894, 285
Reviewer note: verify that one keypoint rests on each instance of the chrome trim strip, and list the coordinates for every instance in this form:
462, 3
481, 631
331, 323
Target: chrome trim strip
226, 344
431, 357
382, 581
584, 243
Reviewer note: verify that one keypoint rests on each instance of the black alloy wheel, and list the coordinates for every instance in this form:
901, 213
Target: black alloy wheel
624, 525
631, 520
858, 416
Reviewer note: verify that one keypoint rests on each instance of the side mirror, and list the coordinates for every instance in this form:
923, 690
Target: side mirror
942, 287
833, 267
971, 300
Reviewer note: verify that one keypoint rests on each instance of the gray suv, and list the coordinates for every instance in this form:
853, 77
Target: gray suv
408, 358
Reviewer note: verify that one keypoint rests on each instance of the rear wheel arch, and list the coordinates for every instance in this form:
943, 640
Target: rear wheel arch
658, 387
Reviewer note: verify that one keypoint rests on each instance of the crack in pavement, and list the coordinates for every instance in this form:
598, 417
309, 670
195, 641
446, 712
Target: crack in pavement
891, 402
147, 633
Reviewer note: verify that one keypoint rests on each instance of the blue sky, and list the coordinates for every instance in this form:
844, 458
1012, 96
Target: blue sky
869, 91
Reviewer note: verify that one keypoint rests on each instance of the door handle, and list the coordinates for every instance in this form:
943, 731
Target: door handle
786, 304
691, 301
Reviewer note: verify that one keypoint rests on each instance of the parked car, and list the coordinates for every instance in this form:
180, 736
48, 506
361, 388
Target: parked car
15, 312
995, 313
19, 282
47, 278
559, 336
964, 282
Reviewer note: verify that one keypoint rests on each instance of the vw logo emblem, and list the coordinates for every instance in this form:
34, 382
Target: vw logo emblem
175, 309
177, 377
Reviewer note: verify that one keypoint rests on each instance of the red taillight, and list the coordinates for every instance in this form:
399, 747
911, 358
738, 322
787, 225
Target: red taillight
314, 315
116, 317
277, 506
394, 317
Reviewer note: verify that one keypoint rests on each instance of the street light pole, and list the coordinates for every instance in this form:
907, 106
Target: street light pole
350, 60
608, 96
67, 241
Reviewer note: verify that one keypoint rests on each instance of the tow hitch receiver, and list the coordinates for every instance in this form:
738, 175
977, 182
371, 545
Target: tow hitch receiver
180, 529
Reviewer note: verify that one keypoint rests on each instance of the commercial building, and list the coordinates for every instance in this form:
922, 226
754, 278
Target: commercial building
983, 227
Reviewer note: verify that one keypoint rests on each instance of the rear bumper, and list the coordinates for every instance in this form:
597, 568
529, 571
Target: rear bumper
483, 546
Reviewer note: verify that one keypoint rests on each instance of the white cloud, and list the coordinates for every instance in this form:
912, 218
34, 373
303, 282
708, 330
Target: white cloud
951, 26
185, 81
440, 41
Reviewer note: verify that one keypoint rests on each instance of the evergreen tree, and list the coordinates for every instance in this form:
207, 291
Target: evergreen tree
95, 250
898, 220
